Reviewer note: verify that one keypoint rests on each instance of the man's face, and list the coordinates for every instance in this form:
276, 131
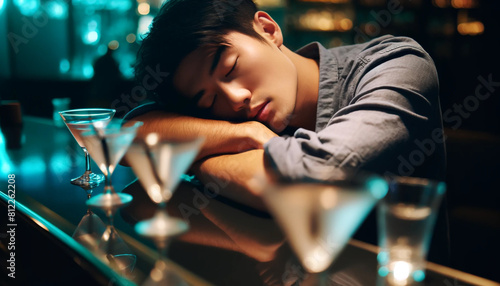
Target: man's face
245, 80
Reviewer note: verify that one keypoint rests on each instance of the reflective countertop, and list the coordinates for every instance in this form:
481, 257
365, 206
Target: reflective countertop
227, 244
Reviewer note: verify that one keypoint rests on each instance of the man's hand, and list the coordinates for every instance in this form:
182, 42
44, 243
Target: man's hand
257, 135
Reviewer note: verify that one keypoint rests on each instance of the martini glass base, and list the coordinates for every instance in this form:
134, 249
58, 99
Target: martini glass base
88, 179
161, 226
110, 200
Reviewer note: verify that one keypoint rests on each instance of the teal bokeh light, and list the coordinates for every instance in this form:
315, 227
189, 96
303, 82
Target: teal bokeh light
27, 7
1, 5
64, 66
119, 5
378, 187
33, 165
6, 166
126, 64
56, 9
88, 71
101, 51
383, 271
383, 257
419, 275
143, 25
441, 188
91, 37
60, 163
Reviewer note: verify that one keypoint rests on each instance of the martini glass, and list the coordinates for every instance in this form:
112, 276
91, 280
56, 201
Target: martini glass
107, 143
79, 121
159, 165
319, 218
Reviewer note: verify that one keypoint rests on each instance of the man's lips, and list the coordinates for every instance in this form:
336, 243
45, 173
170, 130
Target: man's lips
257, 110
263, 112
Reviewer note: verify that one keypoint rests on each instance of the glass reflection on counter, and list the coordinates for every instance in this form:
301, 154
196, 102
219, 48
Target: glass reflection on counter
231, 244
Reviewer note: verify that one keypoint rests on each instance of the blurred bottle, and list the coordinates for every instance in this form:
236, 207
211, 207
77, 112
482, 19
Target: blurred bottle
11, 123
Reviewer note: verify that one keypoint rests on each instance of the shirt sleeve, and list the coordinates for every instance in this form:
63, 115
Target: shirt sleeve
394, 98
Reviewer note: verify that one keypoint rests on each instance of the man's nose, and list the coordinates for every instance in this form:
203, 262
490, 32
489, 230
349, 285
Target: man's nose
238, 96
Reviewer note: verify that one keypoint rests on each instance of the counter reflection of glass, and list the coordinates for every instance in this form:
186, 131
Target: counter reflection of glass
232, 244
90, 228
406, 218
107, 144
320, 217
79, 121
159, 165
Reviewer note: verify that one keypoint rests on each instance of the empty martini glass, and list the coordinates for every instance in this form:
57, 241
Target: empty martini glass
319, 218
79, 121
159, 165
107, 143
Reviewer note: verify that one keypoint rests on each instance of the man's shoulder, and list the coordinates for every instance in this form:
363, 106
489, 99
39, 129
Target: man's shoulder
378, 46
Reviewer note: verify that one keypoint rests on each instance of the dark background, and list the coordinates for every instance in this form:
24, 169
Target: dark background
50, 51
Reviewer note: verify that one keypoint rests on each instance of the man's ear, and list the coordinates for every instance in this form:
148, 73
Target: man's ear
268, 28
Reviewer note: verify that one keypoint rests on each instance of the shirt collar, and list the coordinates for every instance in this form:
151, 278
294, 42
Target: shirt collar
328, 77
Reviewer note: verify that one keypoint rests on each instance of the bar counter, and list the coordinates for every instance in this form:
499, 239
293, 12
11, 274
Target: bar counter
227, 244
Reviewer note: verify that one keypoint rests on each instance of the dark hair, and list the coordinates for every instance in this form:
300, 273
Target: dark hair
183, 26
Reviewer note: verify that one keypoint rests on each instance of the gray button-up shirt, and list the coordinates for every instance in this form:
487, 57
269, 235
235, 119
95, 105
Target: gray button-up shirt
378, 110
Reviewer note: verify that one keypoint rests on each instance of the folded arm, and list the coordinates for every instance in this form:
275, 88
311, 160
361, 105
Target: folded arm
232, 155
240, 177
221, 137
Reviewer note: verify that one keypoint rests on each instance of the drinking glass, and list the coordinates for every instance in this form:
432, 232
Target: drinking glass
406, 218
318, 218
159, 165
79, 121
107, 143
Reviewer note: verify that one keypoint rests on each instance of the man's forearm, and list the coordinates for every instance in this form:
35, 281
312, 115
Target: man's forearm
221, 137
240, 177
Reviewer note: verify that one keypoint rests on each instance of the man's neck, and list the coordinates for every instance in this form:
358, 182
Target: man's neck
304, 114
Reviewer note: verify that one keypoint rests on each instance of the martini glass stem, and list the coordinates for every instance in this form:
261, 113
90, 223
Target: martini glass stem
89, 212
108, 186
87, 161
111, 232
111, 220
161, 244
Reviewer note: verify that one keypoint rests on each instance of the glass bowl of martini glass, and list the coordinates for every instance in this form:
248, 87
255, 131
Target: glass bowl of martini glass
79, 121
159, 165
319, 217
107, 143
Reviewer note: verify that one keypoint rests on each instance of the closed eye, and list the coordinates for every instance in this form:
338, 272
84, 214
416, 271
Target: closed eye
234, 66
213, 102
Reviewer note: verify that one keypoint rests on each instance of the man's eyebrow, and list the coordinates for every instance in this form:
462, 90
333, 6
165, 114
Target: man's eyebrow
217, 56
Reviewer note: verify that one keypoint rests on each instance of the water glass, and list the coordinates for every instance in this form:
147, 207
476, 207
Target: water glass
405, 219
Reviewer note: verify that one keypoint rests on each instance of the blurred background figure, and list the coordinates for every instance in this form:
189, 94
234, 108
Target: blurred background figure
106, 82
